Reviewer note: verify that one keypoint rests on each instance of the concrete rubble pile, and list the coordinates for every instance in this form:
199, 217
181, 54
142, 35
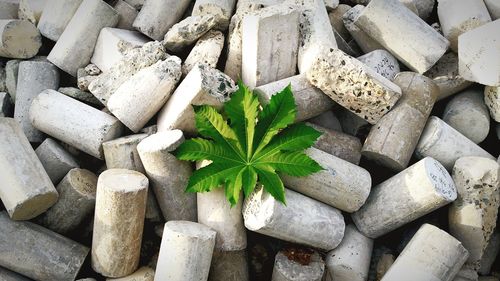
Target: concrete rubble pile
95, 97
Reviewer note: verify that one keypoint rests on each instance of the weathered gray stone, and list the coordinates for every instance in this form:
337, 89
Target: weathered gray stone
73, 122
118, 223
9, 9
56, 161
185, 252
353, 85
286, 269
207, 50
328, 120
418, 190
432, 254
30, 191
55, 17
19, 39
303, 220
7, 275
187, 31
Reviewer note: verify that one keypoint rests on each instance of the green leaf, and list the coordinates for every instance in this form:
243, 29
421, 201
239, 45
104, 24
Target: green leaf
211, 176
242, 111
201, 149
294, 163
233, 187
249, 180
279, 113
271, 182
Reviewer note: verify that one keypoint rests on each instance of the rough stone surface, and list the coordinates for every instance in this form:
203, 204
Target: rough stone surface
492, 100
73, 122
393, 139
118, 223
303, 220
133, 61
80, 35
353, 85
207, 50
445, 75
56, 161
202, 85
56, 16
407, 37
445, 144
432, 254
187, 31
350, 261
185, 252
468, 114
288, 270
30, 191
382, 62
418, 190
19, 39
473, 216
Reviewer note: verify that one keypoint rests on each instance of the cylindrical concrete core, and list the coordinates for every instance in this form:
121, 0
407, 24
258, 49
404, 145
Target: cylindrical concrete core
19, 39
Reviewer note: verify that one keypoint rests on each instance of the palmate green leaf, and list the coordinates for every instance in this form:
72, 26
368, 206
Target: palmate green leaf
271, 182
242, 111
249, 178
294, 163
212, 176
196, 149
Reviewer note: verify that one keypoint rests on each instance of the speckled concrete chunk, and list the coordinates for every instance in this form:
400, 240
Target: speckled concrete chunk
222, 8
56, 161
187, 31
19, 39
418, 190
303, 220
118, 222
353, 85
289, 270
27, 190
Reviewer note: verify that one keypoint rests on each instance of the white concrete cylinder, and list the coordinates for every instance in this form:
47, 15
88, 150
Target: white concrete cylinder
303, 220
136, 101
30, 191
432, 254
185, 252
286, 269
73, 122
341, 184
382, 62
34, 77
459, 16
56, 161
158, 16
76, 202
263, 34
445, 144
19, 39
118, 222
416, 191
350, 261
468, 114
80, 35
310, 101
404, 34
37, 252
56, 16
169, 176
366, 43
207, 50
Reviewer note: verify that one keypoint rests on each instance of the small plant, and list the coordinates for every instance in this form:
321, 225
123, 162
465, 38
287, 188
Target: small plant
257, 144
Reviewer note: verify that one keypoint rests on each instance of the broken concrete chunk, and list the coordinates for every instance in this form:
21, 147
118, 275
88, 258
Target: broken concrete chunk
34, 77
473, 216
445, 75
120, 206
382, 62
304, 220
445, 144
156, 17
133, 61
55, 17
202, 85
492, 100
392, 141
270, 39
207, 50
353, 85
310, 100
56, 161
73, 122
187, 31
45, 255
80, 35
430, 253
30, 191
478, 55
459, 16
31, 10
408, 37
468, 114
127, 15
112, 45
19, 39
416, 191
222, 8
287, 269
